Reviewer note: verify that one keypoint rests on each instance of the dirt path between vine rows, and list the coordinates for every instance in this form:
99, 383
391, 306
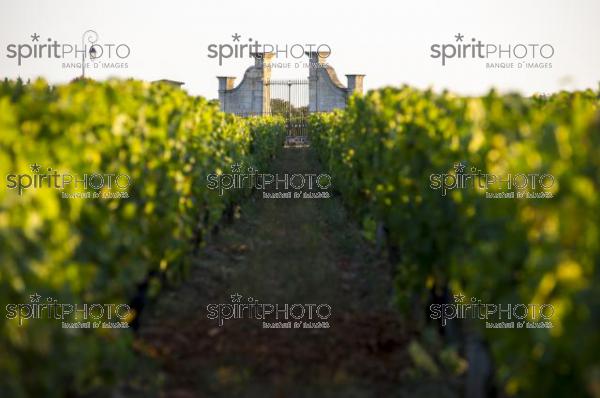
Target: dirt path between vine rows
282, 251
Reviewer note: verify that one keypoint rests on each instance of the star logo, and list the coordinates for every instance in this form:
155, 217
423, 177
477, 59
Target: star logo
35, 298
236, 37
236, 298
458, 298
35, 167
459, 167
35, 37
459, 37
236, 167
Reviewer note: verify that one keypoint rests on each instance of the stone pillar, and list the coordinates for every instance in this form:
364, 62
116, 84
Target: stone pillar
225, 84
317, 60
355, 84
262, 62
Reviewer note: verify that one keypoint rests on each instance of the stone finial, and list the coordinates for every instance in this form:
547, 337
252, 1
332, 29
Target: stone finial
355, 83
318, 57
260, 58
226, 82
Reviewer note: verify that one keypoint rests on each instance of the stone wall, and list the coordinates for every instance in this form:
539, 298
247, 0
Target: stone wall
326, 92
251, 96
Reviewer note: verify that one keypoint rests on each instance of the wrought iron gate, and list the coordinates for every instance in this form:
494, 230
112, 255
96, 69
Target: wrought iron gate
289, 98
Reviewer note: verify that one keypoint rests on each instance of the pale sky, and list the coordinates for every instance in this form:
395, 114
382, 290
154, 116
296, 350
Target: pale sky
389, 41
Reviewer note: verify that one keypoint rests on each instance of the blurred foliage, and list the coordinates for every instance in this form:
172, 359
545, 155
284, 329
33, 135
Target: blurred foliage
382, 151
100, 250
